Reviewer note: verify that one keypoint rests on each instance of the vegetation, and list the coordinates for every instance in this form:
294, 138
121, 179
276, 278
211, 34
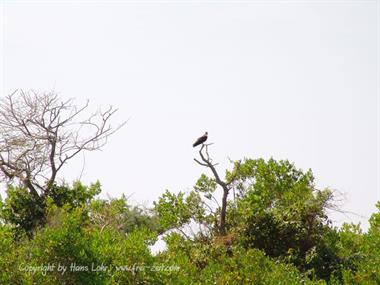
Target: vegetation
263, 222
277, 232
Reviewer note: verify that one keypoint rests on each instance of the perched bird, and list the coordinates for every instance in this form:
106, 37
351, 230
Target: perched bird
200, 140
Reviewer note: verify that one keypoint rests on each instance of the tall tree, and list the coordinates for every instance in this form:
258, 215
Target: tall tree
40, 133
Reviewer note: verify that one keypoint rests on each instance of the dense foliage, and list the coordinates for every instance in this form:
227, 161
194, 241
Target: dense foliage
277, 232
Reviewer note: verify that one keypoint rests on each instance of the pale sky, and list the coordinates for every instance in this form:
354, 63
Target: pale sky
295, 80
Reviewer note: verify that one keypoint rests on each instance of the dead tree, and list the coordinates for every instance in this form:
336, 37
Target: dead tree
226, 186
40, 133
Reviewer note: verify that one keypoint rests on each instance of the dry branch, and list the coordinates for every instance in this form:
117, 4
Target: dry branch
40, 133
207, 162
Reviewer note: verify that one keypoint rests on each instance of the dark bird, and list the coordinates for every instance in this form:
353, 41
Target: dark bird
200, 140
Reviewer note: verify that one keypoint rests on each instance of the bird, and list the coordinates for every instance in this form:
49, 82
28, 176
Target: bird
200, 140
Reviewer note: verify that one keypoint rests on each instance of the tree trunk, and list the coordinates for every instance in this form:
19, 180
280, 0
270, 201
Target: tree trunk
223, 212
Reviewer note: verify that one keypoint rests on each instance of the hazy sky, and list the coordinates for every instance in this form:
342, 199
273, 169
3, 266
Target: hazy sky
293, 80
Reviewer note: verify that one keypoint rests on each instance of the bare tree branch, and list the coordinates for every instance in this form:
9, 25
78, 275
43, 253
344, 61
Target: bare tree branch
207, 162
40, 133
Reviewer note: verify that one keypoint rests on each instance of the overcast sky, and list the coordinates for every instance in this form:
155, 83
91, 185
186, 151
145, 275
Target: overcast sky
293, 80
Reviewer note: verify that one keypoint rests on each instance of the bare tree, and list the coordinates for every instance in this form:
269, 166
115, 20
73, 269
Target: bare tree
226, 186
40, 133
